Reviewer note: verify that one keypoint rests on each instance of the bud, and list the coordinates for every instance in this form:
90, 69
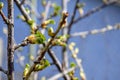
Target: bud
51, 32
26, 70
1, 5
72, 64
21, 17
81, 11
42, 65
45, 23
80, 5
37, 38
82, 75
56, 9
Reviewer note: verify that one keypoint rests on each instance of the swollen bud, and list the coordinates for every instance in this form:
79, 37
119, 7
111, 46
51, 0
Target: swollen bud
36, 38
42, 65
1, 5
50, 32
58, 42
47, 22
26, 70
72, 64
80, 5
44, 2
21, 17
56, 9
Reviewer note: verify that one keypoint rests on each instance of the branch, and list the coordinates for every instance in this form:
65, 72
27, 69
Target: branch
24, 43
22, 2
2, 70
57, 63
66, 30
40, 57
95, 31
57, 76
22, 9
73, 16
65, 62
94, 10
10, 43
4, 17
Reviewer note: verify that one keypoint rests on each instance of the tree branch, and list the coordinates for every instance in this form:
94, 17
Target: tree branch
84, 34
57, 63
4, 17
22, 2
2, 70
73, 16
10, 51
65, 62
57, 76
67, 31
24, 43
22, 9
40, 57
94, 10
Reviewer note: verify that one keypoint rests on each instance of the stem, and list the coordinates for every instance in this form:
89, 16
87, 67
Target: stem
4, 17
65, 62
40, 57
22, 9
10, 51
2, 70
94, 10
57, 63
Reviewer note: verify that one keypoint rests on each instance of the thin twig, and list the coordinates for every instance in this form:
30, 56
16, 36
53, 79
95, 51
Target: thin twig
84, 34
4, 17
64, 50
40, 57
22, 2
57, 76
22, 9
64, 32
24, 43
73, 16
2, 70
95, 10
10, 44
57, 63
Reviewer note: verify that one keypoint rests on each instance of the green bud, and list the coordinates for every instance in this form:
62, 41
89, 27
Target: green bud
58, 42
30, 22
47, 22
42, 65
56, 9
27, 10
43, 2
72, 64
75, 78
21, 17
37, 38
80, 5
51, 21
26, 70
1, 5
50, 32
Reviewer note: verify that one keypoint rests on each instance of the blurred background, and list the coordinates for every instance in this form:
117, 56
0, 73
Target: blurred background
100, 53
